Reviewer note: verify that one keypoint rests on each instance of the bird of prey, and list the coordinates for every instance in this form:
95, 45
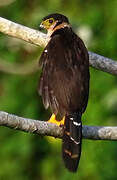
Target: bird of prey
64, 83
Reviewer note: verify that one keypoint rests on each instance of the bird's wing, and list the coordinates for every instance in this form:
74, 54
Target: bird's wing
65, 75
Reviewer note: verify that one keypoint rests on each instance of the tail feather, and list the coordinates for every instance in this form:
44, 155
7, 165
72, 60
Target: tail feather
72, 140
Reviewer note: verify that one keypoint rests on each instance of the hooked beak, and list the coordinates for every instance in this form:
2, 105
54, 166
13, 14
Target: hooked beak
41, 26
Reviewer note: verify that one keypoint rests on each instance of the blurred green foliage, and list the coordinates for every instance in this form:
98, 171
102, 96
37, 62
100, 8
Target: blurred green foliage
30, 157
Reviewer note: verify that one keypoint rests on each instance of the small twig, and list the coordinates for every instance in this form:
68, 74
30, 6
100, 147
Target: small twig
49, 129
38, 38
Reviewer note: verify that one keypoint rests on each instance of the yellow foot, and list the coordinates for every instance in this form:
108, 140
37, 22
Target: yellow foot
53, 120
62, 121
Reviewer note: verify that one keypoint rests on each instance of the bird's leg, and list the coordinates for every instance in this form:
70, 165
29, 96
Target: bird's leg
53, 120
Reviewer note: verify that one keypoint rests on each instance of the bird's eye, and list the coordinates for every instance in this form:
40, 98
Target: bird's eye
50, 21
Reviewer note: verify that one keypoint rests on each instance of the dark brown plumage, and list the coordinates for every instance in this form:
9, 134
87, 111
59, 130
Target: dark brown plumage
64, 85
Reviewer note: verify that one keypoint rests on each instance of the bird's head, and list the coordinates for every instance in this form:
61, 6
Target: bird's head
54, 21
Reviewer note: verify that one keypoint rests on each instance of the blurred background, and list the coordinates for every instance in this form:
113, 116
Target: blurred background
30, 157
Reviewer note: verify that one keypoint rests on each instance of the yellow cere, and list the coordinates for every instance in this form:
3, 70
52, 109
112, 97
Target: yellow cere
48, 22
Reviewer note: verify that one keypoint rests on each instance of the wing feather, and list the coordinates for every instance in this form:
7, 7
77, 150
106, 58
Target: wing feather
65, 75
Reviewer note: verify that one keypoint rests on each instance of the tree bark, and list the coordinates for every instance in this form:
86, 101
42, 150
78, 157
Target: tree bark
50, 129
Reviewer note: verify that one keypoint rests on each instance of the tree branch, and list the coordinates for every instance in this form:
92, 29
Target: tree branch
49, 129
45, 128
38, 38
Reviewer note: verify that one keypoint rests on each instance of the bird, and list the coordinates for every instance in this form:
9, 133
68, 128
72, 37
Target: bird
64, 83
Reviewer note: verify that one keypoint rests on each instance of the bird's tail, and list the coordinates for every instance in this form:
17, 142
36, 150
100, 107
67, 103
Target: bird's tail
72, 140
